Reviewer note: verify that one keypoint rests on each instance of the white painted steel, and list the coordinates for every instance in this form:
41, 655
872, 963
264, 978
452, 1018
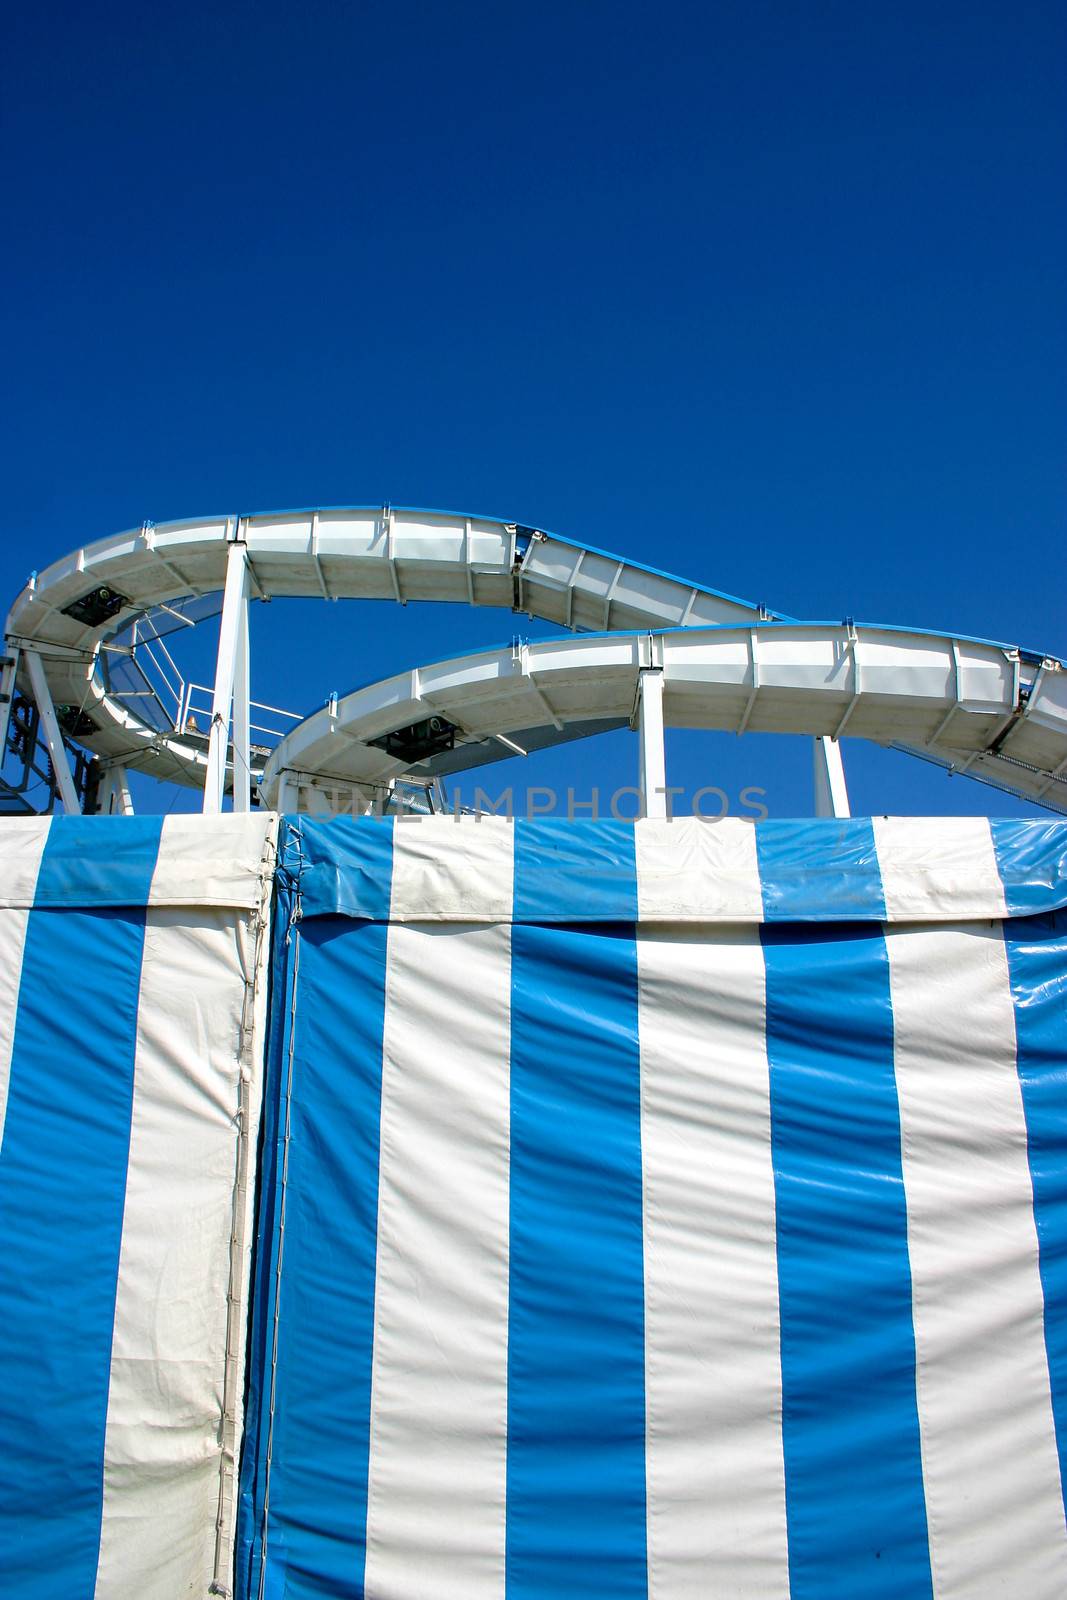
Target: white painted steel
242, 715
233, 627
653, 768
387, 553
795, 678
831, 793
53, 739
361, 553
121, 787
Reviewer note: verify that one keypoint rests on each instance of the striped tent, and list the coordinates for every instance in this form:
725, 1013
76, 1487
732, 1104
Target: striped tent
131, 1012
672, 1210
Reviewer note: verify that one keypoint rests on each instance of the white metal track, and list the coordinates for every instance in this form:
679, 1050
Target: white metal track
779, 677
363, 553
1011, 732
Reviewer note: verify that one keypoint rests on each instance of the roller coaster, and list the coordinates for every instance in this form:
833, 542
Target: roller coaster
91, 688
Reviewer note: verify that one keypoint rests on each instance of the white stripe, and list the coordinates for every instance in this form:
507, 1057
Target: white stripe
22, 842
990, 1464
216, 863
938, 869
162, 1458
452, 869
694, 871
714, 1463
435, 1517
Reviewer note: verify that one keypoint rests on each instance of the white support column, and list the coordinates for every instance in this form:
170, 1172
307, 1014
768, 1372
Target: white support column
123, 799
53, 738
234, 602
653, 767
105, 795
114, 795
831, 794
288, 797
242, 732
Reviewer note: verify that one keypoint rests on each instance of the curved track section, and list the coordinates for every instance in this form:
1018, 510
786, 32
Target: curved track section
331, 554
965, 704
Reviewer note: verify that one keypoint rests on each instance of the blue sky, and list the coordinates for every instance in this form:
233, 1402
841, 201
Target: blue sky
770, 296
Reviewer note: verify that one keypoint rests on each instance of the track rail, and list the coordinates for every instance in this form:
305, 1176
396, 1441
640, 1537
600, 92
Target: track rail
991, 711
364, 553
959, 702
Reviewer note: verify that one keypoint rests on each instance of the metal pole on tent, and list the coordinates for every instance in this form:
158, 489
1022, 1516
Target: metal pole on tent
653, 766
234, 607
831, 793
53, 738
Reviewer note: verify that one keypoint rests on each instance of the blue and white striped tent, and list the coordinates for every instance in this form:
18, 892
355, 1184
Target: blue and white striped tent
131, 1015
670, 1210
674, 1210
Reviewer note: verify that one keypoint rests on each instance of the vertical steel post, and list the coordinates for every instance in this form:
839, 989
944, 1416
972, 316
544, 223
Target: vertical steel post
234, 602
288, 795
105, 794
123, 799
53, 738
831, 793
653, 764
242, 731
114, 796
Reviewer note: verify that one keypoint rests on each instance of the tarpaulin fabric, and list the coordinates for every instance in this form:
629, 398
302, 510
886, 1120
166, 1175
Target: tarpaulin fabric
881, 869
132, 1005
671, 1209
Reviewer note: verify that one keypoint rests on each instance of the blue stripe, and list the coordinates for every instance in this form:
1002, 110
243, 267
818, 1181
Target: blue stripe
316, 1534
820, 871
576, 1415
854, 1489
344, 865
1037, 965
98, 861
62, 1190
1032, 862
581, 871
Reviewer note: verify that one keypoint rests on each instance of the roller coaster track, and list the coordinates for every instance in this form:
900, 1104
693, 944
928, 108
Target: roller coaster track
87, 624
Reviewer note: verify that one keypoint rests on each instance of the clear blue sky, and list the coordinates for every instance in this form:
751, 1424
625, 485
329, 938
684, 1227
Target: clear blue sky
769, 295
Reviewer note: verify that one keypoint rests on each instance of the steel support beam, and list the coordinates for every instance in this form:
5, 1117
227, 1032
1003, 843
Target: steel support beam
288, 798
7, 694
105, 794
53, 738
831, 793
123, 799
242, 732
114, 798
653, 762
233, 620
